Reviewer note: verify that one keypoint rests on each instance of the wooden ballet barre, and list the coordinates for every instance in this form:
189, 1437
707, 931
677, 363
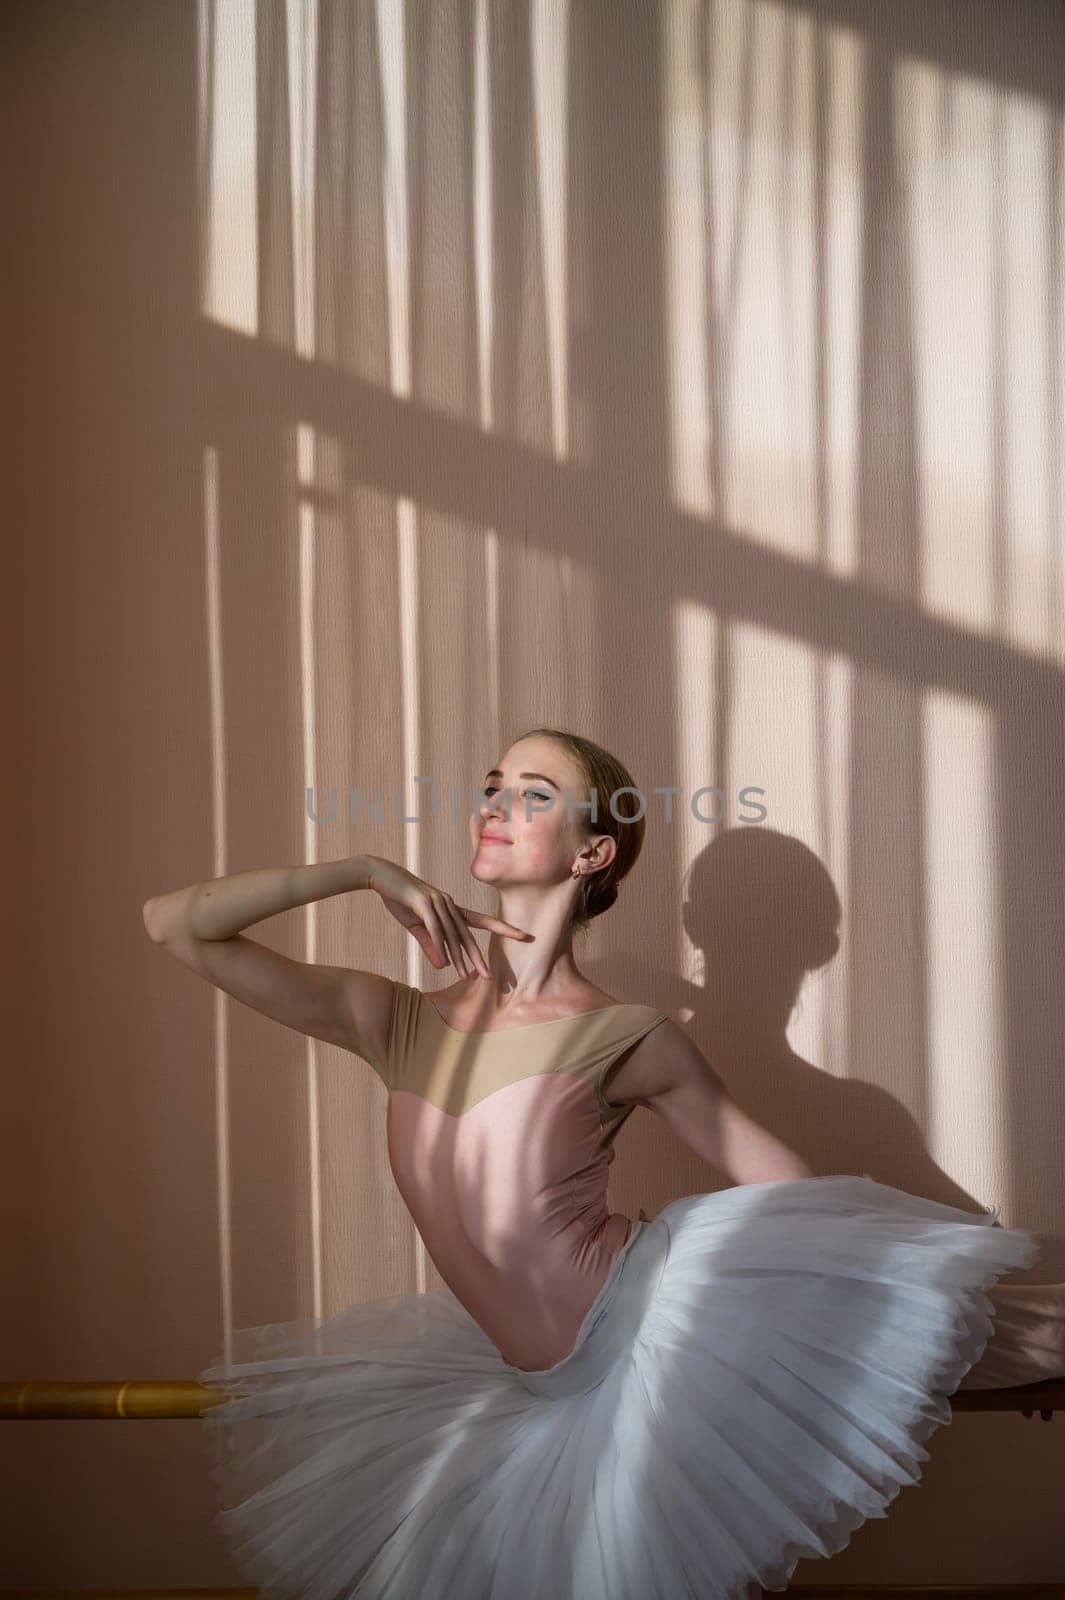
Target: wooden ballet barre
114, 1402
137, 1400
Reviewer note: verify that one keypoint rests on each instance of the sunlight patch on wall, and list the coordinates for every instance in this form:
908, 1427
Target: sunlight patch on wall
968, 1111
985, 282
392, 83
696, 633
228, 162
229, 242
763, 272
773, 740
549, 32
301, 17
549, 40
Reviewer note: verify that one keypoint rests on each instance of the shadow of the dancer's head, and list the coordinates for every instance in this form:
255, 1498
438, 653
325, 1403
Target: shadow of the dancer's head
764, 912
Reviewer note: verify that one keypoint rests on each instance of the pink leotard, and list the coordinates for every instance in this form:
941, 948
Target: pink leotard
500, 1144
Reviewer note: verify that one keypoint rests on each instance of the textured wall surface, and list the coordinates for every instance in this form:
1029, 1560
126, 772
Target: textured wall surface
389, 378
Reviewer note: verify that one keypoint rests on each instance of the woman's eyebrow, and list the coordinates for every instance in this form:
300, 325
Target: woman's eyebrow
495, 773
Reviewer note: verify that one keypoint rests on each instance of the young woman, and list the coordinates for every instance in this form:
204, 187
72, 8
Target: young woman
598, 1408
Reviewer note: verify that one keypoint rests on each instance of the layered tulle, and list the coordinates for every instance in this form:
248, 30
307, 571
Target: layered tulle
753, 1382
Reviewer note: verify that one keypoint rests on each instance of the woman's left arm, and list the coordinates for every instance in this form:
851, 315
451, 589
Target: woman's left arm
669, 1074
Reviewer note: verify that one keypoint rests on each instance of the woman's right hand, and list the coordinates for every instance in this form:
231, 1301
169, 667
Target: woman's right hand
441, 927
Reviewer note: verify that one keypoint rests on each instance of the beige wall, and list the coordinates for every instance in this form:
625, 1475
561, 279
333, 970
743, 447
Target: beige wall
381, 390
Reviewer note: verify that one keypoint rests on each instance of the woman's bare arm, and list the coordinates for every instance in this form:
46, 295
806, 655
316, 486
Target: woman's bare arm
669, 1074
221, 907
200, 926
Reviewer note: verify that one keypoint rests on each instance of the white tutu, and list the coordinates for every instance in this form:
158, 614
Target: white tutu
750, 1385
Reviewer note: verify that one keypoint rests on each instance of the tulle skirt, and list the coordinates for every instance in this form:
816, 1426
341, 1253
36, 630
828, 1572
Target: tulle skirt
752, 1382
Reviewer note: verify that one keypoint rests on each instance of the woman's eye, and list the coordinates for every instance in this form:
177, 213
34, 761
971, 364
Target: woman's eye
536, 793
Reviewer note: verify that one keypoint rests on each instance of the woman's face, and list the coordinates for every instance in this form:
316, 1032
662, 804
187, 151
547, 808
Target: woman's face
533, 839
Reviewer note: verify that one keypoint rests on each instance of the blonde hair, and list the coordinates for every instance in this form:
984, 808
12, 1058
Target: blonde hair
606, 775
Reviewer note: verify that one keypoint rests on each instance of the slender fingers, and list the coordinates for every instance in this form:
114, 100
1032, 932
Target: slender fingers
436, 933
451, 935
450, 928
472, 945
463, 941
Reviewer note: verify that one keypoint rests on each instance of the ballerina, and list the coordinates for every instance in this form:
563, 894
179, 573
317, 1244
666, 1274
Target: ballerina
597, 1407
